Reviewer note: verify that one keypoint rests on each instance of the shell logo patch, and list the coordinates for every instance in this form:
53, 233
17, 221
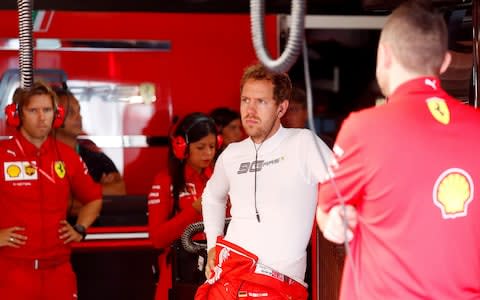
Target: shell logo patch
453, 192
59, 168
13, 171
439, 110
19, 170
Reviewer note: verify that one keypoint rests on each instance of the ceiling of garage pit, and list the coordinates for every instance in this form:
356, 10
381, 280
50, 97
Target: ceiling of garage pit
225, 6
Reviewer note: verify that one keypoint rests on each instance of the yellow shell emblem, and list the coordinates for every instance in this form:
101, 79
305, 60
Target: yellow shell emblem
453, 192
13, 171
60, 169
439, 110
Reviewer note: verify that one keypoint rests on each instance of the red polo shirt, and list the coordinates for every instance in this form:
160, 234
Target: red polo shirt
165, 229
411, 168
34, 193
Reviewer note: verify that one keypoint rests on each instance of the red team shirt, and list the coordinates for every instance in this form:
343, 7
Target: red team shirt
164, 230
35, 188
410, 167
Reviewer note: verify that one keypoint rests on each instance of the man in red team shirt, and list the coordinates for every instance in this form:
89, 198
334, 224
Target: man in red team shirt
38, 176
407, 172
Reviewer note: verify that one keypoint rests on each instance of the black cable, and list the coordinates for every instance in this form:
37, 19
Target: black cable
257, 214
255, 186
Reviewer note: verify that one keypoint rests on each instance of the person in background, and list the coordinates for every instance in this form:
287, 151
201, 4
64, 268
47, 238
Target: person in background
296, 115
174, 201
406, 175
271, 179
100, 166
39, 175
229, 125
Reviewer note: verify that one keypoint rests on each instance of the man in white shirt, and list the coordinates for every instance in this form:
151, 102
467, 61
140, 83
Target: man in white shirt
271, 179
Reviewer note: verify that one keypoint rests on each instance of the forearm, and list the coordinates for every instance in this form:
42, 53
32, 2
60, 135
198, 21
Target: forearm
214, 220
165, 233
89, 212
113, 184
214, 203
114, 188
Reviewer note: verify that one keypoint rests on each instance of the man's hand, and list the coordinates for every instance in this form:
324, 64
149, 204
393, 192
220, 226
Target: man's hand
9, 237
108, 178
333, 226
68, 234
210, 262
197, 205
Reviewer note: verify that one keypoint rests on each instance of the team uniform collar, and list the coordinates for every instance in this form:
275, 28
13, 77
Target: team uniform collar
428, 84
27, 148
272, 142
192, 173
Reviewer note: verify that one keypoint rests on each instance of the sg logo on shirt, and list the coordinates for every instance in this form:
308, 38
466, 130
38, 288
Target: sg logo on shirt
250, 166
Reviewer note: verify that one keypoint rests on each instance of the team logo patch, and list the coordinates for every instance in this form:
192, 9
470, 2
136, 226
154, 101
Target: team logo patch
453, 192
439, 110
59, 168
13, 171
19, 170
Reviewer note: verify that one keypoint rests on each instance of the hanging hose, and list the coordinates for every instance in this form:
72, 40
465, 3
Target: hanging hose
295, 37
191, 246
26, 42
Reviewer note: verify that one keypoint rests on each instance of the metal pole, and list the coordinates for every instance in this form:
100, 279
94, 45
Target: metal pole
476, 58
25, 57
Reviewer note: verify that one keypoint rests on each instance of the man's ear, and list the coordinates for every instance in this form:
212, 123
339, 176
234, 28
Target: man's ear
446, 62
385, 56
282, 108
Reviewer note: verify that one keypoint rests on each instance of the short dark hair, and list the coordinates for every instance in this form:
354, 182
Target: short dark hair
223, 116
23, 95
418, 36
282, 86
62, 92
299, 96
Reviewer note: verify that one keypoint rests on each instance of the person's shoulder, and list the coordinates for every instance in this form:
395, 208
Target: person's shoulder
299, 133
88, 145
162, 177
6, 145
361, 118
235, 151
64, 149
465, 114
235, 147
6, 142
463, 108
305, 136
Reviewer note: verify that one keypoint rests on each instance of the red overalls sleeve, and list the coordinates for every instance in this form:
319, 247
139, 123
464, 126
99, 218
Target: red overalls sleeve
82, 184
164, 231
348, 168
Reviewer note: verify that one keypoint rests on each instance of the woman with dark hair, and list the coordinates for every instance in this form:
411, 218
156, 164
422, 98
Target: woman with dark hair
174, 200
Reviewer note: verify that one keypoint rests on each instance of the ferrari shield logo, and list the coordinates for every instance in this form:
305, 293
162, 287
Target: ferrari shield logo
439, 110
60, 169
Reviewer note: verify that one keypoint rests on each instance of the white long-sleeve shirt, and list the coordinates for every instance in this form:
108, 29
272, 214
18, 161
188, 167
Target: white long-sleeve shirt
288, 170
